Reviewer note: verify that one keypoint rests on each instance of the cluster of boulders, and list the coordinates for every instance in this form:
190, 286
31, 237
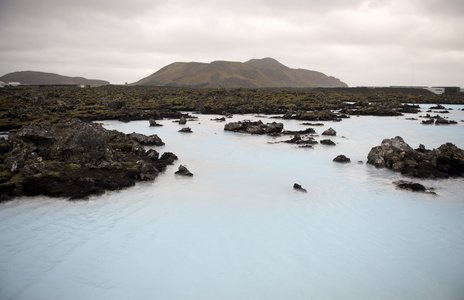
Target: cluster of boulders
303, 138
76, 159
437, 120
254, 127
395, 154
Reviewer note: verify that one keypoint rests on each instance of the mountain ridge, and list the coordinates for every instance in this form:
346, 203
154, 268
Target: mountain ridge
254, 73
45, 78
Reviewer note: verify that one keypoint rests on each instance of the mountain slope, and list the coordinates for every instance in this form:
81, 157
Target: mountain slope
42, 78
255, 73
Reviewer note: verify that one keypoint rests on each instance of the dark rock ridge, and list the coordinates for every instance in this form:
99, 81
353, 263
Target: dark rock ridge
75, 159
395, 154
254, 127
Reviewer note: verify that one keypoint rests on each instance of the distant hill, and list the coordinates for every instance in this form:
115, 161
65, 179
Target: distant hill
42, 78
255, 73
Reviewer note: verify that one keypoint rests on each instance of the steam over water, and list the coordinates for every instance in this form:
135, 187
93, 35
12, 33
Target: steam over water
238, 230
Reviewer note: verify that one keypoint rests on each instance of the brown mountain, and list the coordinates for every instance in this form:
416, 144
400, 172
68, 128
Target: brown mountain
255, 73
42, 78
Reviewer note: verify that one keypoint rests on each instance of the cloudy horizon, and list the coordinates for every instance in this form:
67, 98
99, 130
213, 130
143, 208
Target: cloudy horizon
363, 43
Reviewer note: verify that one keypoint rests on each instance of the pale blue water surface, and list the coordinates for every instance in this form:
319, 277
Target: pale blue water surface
238, 230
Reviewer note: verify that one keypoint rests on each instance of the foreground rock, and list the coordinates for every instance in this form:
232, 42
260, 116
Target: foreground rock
75, 159
395, 154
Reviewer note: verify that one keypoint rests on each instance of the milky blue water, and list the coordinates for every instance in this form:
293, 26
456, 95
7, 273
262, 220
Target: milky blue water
238, 230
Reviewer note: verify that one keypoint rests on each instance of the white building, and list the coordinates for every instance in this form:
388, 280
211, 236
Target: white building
2, 84
14, 83
436, 90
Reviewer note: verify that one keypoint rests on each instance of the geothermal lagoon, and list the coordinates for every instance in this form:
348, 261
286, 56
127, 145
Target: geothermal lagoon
238, 230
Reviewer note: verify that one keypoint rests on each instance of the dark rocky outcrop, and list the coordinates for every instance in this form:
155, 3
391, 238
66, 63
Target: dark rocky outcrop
182, 120
330, 131
150, 140
395, 154
186, 130
342, 159
183, 171
75, 159
299, 188
153, 123
254, 127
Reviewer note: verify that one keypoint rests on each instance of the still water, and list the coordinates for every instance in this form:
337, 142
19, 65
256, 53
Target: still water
238, 230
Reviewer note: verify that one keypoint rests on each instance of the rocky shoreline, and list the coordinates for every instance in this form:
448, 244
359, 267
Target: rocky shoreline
53, 149
75, 159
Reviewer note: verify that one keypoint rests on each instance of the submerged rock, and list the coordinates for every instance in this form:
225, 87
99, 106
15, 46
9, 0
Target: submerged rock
413, 186
327, 142
395, 154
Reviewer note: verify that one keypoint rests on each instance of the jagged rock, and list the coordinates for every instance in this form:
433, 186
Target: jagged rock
341, 159
71, 141
327, 142
153, 123
169, 157
74, 159
147, 140
182, 120
183, 171
447, 160
443, 121
254, 127
274, 127
329, 131
186, 130
299, 188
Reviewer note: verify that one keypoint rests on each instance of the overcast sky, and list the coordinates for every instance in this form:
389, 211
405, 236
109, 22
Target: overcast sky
363, 43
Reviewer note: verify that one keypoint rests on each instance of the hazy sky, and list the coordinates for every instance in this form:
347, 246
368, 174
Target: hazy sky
372, 42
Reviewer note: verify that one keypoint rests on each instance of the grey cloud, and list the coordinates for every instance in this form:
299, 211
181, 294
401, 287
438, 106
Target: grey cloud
125, 39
